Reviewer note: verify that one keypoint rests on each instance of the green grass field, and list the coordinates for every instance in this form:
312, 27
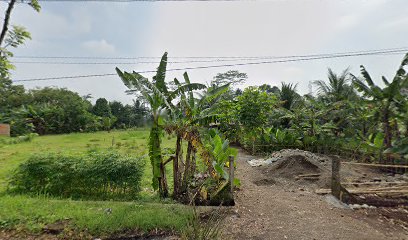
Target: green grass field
145, 213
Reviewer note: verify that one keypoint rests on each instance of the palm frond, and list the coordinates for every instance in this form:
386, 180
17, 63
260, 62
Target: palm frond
366, 76
213, 93
361, 86
159, 79
386, 82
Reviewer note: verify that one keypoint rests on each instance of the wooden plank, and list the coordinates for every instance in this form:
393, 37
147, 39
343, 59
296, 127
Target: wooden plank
374, 183
376, 165
323, 191
358, 191
231, 175
381, 188
365, 191
309, 178
309, 175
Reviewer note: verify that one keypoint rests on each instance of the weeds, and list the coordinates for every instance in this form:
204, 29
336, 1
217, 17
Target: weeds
98, 175
204, 227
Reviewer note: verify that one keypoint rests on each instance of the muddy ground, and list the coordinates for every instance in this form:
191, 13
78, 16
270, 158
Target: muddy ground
273, 203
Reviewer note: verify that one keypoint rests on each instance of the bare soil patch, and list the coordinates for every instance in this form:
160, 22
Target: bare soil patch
278, 202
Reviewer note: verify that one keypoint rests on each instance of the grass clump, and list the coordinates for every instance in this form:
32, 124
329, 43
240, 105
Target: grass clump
97, 217
96, 175
20, 139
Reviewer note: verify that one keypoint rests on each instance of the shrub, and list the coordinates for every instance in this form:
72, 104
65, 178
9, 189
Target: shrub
97, 175
14, 140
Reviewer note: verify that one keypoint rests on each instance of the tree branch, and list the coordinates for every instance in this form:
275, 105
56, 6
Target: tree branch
6, 21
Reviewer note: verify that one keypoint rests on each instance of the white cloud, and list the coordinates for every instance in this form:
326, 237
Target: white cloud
395, 24
257, 28
347, 21
49, 24
99, 47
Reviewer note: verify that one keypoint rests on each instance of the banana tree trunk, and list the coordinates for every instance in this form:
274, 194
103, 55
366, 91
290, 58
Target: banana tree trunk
387, 130
159, 174
187, 168
396, 130
163, 181
176, 171
193, 161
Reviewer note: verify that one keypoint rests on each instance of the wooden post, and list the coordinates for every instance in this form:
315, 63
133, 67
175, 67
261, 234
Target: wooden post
335, 179
231, 175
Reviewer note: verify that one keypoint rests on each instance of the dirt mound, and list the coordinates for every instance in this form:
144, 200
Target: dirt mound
293, 166
296, 167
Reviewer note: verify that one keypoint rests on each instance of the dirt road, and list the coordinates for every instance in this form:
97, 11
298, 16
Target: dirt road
271, 210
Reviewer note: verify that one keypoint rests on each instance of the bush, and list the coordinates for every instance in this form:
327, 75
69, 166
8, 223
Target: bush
97, 175
14, 140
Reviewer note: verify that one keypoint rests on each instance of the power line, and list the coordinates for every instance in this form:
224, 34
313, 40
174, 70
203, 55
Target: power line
127, 1
209, 66
135, 62
210, 57
174, 62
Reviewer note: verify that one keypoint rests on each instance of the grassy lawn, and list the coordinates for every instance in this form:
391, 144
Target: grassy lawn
98, 217
145, 213
132, 142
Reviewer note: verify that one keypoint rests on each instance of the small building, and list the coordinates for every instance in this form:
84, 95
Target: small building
4, 129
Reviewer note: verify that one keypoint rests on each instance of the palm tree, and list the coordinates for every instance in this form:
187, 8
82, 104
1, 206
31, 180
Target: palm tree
289, 96
338, 87
385, 99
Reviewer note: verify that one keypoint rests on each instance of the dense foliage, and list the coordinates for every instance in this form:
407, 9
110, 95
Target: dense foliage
58, 110
349, 115
176, 109
98, 175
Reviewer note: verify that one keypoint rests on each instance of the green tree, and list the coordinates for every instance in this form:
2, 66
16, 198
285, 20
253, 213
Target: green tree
385, 99
102, 108
189, 115
254, 107
338, 88
12, 38
64, 111
288, 96
232, 77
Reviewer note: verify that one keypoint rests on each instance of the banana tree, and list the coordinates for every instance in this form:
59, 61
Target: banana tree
191, 114
179, 124
155, 93
385, 99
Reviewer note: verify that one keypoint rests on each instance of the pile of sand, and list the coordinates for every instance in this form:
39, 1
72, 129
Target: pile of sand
296, 167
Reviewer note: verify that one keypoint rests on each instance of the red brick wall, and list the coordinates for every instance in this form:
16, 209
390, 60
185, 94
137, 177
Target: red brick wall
5, 129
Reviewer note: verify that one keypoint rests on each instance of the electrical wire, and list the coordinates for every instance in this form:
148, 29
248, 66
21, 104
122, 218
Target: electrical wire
129, 1
209, 66
210, 57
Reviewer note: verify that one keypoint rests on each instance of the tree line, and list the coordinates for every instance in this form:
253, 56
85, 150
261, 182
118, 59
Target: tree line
58, 110
349, 112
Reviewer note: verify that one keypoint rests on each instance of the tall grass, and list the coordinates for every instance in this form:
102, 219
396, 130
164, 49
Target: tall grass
97, 175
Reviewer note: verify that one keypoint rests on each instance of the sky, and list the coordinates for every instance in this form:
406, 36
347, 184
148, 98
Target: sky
223, 28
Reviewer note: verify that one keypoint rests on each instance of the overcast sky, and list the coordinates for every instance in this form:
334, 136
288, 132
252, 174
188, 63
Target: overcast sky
245, 28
